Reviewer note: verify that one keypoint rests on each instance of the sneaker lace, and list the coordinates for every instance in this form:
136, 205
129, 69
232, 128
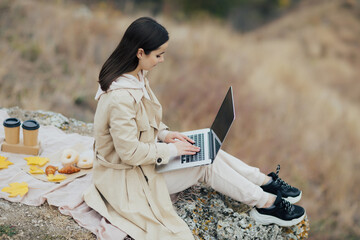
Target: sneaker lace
287, 206
279, 180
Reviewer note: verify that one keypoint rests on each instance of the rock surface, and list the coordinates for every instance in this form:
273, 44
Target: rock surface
209, 215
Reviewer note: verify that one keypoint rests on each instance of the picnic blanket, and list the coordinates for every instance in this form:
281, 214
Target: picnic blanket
66, 195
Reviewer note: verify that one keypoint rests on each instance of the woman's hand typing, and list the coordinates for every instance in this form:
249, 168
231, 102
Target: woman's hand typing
186, 148
172, 137
183, 144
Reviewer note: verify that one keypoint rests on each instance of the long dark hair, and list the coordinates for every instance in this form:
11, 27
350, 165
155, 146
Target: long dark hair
143, 33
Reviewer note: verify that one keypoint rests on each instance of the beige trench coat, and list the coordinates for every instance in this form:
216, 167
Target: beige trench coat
126, 189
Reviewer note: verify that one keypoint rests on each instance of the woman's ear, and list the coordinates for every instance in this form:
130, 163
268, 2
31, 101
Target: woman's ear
140, 53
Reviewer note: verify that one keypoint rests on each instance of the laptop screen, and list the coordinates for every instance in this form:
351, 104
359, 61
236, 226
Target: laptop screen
224, 117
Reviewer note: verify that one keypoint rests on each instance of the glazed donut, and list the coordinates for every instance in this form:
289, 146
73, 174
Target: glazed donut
86, 159
69, 157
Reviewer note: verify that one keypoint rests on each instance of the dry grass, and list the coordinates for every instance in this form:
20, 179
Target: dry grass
295, 83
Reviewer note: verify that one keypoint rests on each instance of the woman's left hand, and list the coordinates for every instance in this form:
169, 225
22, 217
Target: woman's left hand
172, 137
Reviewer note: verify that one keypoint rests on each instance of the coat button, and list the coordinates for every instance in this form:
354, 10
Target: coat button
159, 160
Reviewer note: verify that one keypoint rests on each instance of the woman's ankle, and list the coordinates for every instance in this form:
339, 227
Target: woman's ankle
270, 201
266, 180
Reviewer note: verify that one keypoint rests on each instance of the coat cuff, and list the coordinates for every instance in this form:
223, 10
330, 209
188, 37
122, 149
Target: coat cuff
163, 154
173, 150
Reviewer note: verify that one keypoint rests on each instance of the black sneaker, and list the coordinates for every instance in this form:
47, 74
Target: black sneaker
289, 193
283, 213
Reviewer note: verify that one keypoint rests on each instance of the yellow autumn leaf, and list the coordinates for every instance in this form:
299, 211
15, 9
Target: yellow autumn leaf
4, 163
41, 161
56, 178
36, 170
16, 189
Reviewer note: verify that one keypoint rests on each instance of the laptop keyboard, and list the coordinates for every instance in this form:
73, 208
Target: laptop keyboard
199, 142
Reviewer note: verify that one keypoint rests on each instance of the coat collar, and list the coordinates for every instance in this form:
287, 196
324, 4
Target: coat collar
127, 81
137, 94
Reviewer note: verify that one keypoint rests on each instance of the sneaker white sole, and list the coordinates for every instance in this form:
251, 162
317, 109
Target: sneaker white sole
293, 200
267, 219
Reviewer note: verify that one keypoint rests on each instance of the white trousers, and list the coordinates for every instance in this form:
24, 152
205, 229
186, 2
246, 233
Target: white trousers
227, 175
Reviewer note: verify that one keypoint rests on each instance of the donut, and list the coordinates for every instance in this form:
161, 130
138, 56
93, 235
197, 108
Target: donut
86, 159
69, 157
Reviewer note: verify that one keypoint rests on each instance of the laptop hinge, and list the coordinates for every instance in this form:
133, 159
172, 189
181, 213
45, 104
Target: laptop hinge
211, 144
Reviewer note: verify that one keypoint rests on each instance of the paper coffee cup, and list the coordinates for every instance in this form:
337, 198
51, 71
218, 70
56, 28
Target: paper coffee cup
12, 130
30, 132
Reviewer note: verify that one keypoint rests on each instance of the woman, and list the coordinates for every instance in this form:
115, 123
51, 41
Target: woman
126, 189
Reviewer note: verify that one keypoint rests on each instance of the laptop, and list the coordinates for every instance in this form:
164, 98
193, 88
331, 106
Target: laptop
208, 139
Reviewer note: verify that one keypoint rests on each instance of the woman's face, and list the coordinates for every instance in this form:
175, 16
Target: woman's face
147, 62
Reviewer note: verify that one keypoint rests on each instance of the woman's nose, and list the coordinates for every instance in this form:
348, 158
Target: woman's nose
161, 59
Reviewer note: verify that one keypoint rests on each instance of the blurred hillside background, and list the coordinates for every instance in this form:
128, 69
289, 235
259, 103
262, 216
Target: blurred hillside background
294, 66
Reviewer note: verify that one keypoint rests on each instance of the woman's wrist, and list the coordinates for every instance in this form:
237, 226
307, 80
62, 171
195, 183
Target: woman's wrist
172, 150
162, 135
